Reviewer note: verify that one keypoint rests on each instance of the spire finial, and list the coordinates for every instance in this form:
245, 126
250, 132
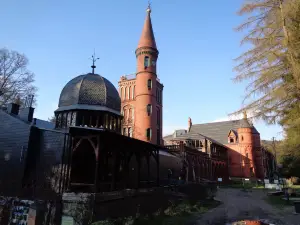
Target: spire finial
94, 59
149, 7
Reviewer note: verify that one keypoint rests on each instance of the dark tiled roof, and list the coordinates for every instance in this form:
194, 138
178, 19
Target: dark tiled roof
179, 132
90, 89
219, 131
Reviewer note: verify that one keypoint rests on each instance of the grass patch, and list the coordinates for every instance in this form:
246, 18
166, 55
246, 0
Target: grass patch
175, 214
278, 202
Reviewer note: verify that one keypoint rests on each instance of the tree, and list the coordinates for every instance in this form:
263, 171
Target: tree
273, 66
16, 81
272, 62
52, 119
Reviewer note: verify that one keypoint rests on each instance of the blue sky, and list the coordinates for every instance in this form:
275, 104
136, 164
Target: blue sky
196, 40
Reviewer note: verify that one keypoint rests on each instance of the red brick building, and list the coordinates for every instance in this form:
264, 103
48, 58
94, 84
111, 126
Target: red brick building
244, 150
141, 92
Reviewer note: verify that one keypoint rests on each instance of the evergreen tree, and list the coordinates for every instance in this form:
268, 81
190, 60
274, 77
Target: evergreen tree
272, 63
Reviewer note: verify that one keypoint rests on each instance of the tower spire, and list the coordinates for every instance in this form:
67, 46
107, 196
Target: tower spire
147, 38
94, 59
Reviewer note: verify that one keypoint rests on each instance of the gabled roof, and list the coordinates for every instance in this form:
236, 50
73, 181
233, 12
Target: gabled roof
219, 131
232, 131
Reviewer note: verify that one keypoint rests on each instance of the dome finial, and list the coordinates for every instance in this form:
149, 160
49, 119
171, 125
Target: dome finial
94, 59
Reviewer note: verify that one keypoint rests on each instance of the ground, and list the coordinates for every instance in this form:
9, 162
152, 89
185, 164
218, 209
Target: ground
239, 205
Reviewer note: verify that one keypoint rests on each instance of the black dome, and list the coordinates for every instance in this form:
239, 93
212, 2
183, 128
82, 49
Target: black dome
91, 92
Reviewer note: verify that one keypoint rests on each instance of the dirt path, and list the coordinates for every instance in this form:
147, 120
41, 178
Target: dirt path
240, 205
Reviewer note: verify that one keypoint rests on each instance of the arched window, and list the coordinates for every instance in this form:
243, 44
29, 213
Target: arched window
129, 92
148, 134
125, 114
149, 109
242, 138
133, 89
129, 132
149, 84
130, 114
121, 93
147, 62
125, 94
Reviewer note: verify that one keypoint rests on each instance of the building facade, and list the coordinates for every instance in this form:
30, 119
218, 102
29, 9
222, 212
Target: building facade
240, 137
141, 92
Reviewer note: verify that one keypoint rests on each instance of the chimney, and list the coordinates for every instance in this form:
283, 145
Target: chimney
189, 124
13, 108
26, 114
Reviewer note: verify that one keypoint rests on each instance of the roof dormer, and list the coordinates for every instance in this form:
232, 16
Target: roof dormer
232, 137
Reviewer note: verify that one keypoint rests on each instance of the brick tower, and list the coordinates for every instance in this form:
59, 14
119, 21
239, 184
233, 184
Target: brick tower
249, 145
141, 94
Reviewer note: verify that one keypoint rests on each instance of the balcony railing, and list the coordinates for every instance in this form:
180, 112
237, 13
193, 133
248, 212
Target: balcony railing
129, 77
133, 76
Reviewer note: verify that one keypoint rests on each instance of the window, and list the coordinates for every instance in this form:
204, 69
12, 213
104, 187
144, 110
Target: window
242, 138
73, 123
125, 114
125, 94
231, 140
129, 132
124, 131
129, 92
153, 62
148, 134
130, 114
133, 89
69, 119
247, 155
149, 84
147, 62
149, 109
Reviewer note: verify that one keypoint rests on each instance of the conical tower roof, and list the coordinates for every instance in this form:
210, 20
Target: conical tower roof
147, 38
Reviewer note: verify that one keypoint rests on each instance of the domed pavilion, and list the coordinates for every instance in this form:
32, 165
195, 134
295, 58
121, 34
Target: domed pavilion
89, 100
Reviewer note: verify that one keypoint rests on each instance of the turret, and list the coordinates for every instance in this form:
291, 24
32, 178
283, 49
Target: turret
249, 142
148, 116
